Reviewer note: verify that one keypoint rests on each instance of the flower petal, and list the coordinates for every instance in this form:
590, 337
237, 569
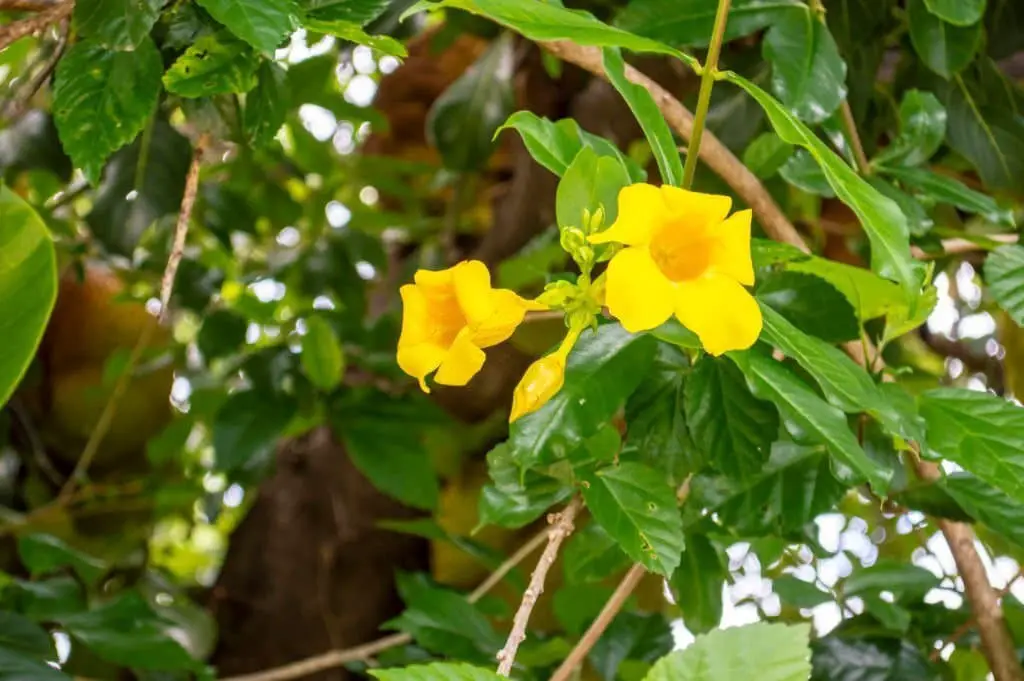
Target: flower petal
730, 249
464, 360
473, 290
698, 210
415, 317
637, 293
435, 284
419, 360
720, 311
641, 211
508, 310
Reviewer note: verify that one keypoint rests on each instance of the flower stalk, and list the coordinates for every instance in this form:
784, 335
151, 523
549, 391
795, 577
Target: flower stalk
709, 73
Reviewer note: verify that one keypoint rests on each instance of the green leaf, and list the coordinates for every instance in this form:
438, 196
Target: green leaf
673, 332
945, 189
117, 24
438, 671
957, 12
28, 287
463, 121
360, 12
697, 583
766, 154
637, 508
554, 145
48, 599
870, 295
808, 414
809, 303
247, 427
592, 555
690, 22
631, 638
798, 593
21, 636
766, 652
982, 433
1004, 274
263, 24
352, 32
655, 128
590, 184
808, 75
804, 173
992, 139
904, 581
732, 428
322, 358
267, 105
943, 47
986, 504
16, 667
870, 659
603, 370
881, 218
918, 220
44, 553
102, 100
216, 64
922, 129
516, 499
221, 334
126, 631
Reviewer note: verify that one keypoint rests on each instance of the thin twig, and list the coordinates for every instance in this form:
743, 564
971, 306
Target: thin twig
20, 29
863, 166
561, 527
707, 82
957, 246
19, 103
26, 5
970, 622
181, 228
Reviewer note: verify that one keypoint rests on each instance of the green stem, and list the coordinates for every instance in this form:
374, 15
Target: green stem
707, 81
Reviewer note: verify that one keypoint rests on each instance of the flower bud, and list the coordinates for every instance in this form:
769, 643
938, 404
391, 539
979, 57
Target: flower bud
542, 380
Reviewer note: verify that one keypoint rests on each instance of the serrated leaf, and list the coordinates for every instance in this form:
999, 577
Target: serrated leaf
943, 47
322, 358
732, 428
981, 432
102, 100
28, 287
697, 583
117, 24
267, 105
870, 659
766, 652
922, 129
957, 12
631, 638
592, 555
809, 303
690, 22
438, 671
216, 64
516, 499
247, 427
944, 189
1004, 274
263, 24
637, 508
808, 75
986, 504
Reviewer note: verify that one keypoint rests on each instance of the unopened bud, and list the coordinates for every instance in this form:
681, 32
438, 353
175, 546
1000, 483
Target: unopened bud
542, 381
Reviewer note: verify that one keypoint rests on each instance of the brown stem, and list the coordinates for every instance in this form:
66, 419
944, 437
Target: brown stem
957, 246
19, 103
20, 29
851, 130
562, 527
188, 200
970, 622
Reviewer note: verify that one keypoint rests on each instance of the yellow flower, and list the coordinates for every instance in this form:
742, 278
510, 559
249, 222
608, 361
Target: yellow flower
449, 316
683, 256
542, 380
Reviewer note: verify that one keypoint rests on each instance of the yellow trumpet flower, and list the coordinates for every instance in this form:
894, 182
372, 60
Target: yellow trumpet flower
685, 257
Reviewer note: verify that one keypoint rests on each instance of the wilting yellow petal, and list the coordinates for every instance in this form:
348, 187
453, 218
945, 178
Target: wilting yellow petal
636, 292
462, 362
641, 211
419, 360
415, 317
507, 313
542, 381
730, 248
695, 210
720, 311
473, 290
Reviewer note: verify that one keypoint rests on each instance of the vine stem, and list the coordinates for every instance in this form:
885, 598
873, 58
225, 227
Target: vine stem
561, 527
19, 29
707, 81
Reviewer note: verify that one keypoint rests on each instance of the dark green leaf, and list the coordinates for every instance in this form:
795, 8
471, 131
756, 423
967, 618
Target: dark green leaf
353, 32
44, 553
992, 139
592, 555
46, 600
21, 636
247, 427
766, 154
102, 100
798, 593
28, 287
1004, 274
463, 121
216, 64
889, 615
689, 22
263, 24
987, 505
808, 75
17, 667
766, 652
732, 428
267, 105
642, 104
117, 24
221, 334
870, 659
904, 581
322, 358
922, 129
981, 432
944, 48
438, 671
945, 189
958, 12
804, 173
870, 295
697, 583
673, 332
590, 185
630, 637
918, 220
516, 499
811, 304
635, 505
360, 12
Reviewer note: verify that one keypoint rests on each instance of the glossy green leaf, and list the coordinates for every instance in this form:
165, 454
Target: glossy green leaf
590, 185
603, 370
690, 22
322, 358
881, 218
592, 555
809, 303
766, 652
672, 331
354, 33
360, 12
918, 220
922, 129
991, 138
102, 100
1004, 274
958, 12
811, 416
870, 295
45, 600
437, 671
981, 432
808, 75
732, 428
21, 636
804, 173
516, 499
870, 659
986, 504
798, 593
444, 622
945, 189
697, 583
643, 106
766, 154
28, 287
216, 64
631, 638
267, 105
943, 47
900, 579
637, 508
263, 24
117, 24
247, 427
44, 553
463, 121
15, 666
